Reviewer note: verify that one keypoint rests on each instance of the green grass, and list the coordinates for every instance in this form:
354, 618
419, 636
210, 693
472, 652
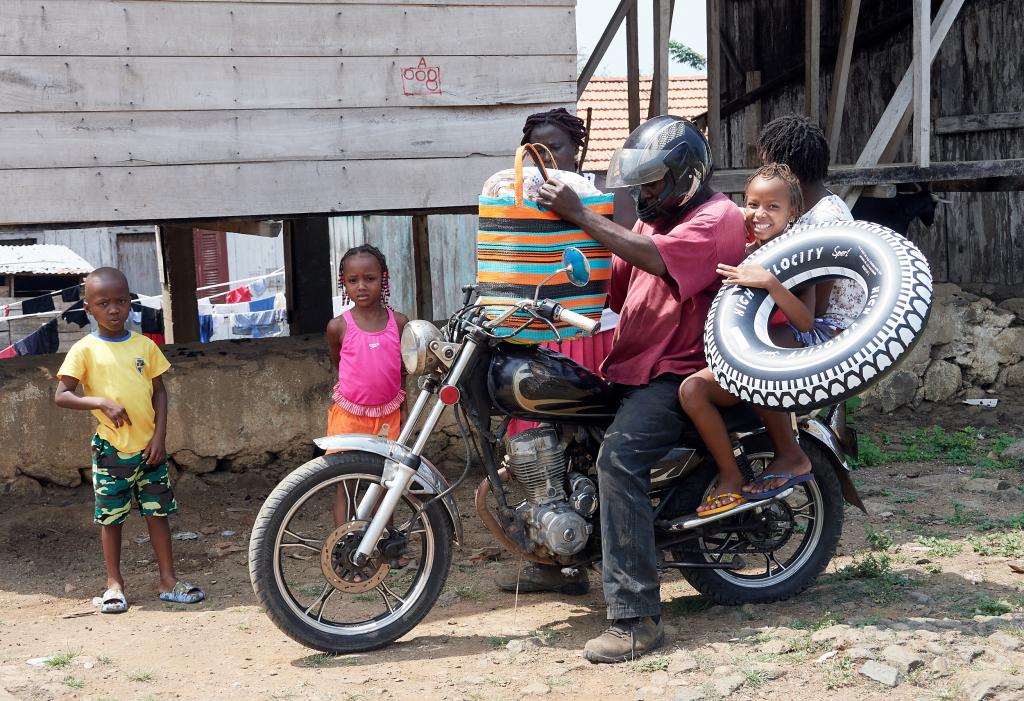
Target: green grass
103, 659
838, 673
905, 499
62, 659
651, 663
965, 446
73, 683
556, 682
874, 570
498, 641
826, 620
140, 677
1012, 523
940, 546
754, 678
985, 605
468, 593
687, 605
962, 516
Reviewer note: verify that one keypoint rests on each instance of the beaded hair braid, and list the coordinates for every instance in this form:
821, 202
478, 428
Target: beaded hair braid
385, 285
770, 171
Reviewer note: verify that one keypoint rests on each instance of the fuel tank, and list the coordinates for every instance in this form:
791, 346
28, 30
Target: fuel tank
538, 384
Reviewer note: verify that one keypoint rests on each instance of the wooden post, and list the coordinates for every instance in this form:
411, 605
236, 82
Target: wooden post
715, 83
177, 264
841, 75
922, 81
812, 59
894, 120
659, 80
308, 275
602, 45
752, 122
633, 66
421, 263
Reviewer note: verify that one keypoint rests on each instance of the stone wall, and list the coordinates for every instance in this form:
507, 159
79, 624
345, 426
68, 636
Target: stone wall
234, 406
971, 347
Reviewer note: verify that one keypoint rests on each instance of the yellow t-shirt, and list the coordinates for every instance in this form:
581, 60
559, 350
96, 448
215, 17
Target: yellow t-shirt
123, 372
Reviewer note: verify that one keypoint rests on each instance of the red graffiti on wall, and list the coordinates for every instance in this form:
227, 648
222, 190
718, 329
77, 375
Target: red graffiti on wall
421, 79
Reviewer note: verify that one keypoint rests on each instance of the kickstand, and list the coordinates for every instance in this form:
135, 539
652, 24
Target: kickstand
515, 604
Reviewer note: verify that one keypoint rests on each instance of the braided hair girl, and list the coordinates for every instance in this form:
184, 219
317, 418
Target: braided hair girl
363, 346
563, 133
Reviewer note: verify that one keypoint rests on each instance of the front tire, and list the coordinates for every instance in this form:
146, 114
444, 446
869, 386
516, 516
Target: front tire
808, 561
276, 538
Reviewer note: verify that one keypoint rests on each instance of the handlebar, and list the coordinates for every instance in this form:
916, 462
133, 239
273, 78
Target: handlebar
573, 319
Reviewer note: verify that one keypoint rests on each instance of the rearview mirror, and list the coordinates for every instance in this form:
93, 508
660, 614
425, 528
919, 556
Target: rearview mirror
576, 266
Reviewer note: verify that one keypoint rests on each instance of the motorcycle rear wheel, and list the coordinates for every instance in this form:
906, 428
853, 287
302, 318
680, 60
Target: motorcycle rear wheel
821, 498
287, 539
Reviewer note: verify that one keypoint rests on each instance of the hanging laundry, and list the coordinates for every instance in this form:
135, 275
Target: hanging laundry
43, 340
221, 327
157, 338
152, 321
71, 294
258, 324
262, 305
239, 294
75, 314
6, 310
8, 352
205, 328
258, 288
37, 305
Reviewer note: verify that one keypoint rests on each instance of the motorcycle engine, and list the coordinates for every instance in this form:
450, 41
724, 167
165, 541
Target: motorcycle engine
536, 460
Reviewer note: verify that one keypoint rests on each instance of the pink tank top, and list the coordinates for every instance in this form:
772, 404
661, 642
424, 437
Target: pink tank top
370, 370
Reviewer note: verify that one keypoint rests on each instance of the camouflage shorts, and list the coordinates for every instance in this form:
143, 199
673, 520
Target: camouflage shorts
117, 477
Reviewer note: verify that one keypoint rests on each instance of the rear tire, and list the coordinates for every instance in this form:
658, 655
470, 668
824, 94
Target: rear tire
281, 606
722, 587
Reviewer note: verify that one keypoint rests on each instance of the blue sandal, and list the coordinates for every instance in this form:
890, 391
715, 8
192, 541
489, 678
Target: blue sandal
183, 594
791, 481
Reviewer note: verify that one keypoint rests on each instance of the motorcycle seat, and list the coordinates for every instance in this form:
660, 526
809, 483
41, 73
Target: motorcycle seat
738, 419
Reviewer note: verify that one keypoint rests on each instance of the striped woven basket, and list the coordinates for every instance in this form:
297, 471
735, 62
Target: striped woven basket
519, 244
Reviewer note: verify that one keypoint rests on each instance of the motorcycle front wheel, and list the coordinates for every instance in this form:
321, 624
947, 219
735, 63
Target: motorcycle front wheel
776, 558
302, 575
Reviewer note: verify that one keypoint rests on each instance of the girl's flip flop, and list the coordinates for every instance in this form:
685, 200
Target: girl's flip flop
183, 594
791, 481
720, 508
112, 601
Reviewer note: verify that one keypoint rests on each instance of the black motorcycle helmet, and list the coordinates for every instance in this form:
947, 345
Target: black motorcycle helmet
662, 146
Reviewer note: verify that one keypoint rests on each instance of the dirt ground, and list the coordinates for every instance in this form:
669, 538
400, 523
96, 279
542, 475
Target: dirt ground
922, 584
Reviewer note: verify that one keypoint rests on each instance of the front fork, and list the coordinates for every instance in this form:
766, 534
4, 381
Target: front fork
398, 475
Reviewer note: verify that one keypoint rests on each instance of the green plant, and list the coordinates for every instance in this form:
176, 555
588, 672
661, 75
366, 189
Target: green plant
103, 659
467, 593
498, 641
1012, 523
826, 620
1001, 544
754, 677
933, 568
651, 663
962, 516
940, 546
880, 583
838, 673
985, 605
62, 659
140, 677
555, 682
878, 540
73, 683
545, 635
905, 499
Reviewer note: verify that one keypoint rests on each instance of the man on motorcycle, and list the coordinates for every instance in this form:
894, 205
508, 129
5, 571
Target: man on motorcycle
663, 281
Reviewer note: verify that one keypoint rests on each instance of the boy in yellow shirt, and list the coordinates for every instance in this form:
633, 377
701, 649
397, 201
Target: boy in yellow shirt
120, 373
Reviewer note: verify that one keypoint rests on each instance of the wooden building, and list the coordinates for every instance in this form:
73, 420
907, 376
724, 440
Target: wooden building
968, 148
189, 113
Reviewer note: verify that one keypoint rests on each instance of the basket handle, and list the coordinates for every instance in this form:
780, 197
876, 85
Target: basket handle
535, 154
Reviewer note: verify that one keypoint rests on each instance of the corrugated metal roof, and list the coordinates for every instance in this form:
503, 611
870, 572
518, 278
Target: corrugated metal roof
609, 98
42, 259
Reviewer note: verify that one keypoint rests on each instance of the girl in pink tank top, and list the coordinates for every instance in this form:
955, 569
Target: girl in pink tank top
364, 347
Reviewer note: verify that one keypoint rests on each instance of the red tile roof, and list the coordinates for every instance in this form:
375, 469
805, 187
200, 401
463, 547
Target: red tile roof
608, 97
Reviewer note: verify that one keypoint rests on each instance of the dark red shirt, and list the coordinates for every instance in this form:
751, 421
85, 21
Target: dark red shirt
661, 319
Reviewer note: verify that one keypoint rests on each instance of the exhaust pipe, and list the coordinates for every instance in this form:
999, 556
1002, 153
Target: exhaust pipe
685, 523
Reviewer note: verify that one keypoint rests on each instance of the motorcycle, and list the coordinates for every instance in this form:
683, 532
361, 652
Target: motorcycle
352, 549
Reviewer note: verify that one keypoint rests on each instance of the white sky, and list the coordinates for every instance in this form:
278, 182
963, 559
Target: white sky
688, 26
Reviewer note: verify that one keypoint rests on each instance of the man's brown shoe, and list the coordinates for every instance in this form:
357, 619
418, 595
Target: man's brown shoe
626, 639
536, 578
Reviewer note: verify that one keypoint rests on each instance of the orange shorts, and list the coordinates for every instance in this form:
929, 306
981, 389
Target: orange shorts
340, 422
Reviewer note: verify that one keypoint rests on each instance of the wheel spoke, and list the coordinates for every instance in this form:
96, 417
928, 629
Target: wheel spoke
320, 614
779, 564
303, 542
322, 599
384, 590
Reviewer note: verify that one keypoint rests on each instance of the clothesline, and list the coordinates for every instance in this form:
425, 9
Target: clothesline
231, 283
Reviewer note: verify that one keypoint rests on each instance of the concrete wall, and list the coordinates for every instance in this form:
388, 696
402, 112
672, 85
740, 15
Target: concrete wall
234, 405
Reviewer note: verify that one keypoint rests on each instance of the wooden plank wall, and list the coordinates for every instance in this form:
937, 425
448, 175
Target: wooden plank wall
977, 240
146, 110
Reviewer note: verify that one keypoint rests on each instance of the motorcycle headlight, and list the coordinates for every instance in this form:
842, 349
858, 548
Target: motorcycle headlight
416, 354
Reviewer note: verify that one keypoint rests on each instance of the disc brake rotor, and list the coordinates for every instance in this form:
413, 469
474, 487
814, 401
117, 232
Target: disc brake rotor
774, 531
336, 560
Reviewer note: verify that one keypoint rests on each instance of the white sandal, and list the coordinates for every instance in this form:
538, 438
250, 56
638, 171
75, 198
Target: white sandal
112, 601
